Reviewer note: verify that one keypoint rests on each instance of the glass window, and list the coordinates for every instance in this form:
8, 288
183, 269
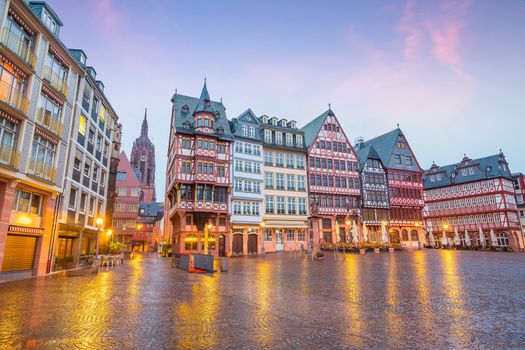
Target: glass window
72, 198
27, 202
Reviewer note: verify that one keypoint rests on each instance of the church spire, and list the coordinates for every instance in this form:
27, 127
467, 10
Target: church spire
144, 131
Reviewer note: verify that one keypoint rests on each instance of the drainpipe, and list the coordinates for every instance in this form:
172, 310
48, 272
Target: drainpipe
53, 233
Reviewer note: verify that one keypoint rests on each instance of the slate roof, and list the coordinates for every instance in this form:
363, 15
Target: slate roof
181, 117
490, 167
368, 152
151, 208
385, 145
311, 130
235, 123
204, 104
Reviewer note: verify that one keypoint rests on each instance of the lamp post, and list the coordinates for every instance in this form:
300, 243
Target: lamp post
262, 225
139, 228
100, 223
417, 230
207, 229
109, 233
445, 228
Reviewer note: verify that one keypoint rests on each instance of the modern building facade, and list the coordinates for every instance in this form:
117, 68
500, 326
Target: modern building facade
471, 196
405, 185
127, 201
519, 187
87, 171
285, 218
375, 201
37, 96
199, 175
247, 196
333, 183
143, 159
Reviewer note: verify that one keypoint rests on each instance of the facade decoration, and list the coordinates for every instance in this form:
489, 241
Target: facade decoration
248, 178
405, 185
375, 202
199, 176
474, 197
125, 215
285, 218
333, 178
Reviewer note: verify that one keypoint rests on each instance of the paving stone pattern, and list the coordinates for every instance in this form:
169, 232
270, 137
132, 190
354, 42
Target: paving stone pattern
414, 299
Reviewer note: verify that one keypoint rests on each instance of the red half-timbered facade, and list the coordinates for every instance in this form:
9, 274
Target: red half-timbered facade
405, 187
473, 196
198, 174
333, 178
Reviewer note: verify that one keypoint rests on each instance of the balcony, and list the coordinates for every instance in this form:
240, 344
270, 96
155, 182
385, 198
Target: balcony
42, 170
46, 119
19, 47
55, 80
9, 156
13, 97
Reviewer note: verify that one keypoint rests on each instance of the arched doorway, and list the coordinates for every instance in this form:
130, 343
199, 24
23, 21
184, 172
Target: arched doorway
394, 236
222, 245
252, 244
237, 244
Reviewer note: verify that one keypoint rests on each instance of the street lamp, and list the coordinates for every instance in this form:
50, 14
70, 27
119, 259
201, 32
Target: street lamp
100, 223
207, 228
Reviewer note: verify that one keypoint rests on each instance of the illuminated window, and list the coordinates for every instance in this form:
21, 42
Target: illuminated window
82, 125
190, 242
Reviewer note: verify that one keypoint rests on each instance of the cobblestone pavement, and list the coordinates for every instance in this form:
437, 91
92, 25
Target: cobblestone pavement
414, 299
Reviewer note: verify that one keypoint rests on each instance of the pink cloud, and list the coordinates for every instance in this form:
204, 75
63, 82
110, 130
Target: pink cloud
446, 31
413, 35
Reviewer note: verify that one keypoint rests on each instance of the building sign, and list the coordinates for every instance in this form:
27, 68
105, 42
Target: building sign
21, 230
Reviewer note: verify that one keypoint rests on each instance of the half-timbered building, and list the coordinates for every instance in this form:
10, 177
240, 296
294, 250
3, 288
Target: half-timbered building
247, 197
375, 203
285, 192
473, 196
333, 185
198, 175
405, 185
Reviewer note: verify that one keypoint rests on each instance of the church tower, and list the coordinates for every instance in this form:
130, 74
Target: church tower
143, 162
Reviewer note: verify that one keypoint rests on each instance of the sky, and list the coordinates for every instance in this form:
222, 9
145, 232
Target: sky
451, 73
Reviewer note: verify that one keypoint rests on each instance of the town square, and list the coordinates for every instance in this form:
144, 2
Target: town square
262, 175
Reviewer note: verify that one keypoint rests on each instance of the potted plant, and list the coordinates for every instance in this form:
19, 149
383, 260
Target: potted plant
166, 249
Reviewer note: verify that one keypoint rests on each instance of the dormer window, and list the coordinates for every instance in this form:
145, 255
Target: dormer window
185, 109
220, 130
252, 132
244, 130
217, 114
49, 22
186, 125
265, 119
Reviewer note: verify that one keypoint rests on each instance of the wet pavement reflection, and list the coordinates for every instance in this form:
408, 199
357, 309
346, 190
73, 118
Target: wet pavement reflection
413, 299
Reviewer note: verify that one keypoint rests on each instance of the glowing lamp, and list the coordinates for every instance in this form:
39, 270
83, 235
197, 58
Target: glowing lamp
24, 219
99, 221
348, 223
445, 227
262, 224
210, 226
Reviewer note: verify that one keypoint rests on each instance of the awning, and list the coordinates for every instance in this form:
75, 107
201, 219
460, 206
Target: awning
285, 224
22, 230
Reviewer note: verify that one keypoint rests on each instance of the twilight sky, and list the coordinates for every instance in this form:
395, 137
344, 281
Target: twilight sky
451, 73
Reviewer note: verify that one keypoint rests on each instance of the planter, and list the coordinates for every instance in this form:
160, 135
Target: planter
390, 250
362, 251
376, 250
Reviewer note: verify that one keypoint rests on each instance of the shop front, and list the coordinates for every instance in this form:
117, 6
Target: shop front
21, 249
284, 236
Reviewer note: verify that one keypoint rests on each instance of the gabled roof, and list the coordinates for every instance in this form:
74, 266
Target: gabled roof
125, 166
182, 118
368, 152
311, 130
246, 117
385, 145
484, 168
